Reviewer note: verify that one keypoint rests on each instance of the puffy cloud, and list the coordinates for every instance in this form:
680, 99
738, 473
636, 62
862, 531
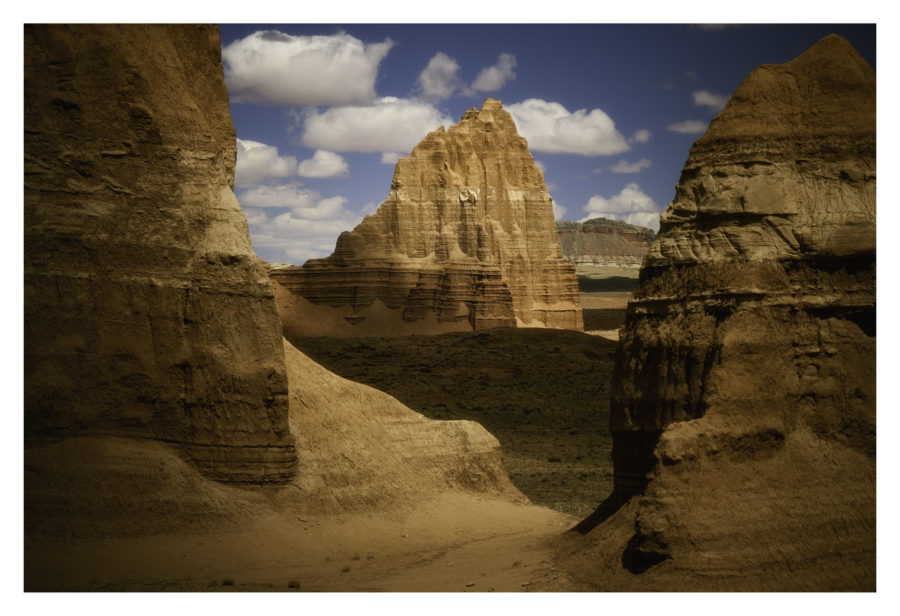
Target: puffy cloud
558, 211
390, 125
440, 78
257, 161
623, 166
284, 195
323, 164
704, 98
641, 136
540, 166
390, 158
688, 127
630, 205
492, 78
272, 67
293, 238
303, 226
550, 127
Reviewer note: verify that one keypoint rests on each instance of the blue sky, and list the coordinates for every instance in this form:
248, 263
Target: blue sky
610, 111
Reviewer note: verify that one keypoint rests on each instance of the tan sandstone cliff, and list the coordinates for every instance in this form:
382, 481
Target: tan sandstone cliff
465, 240
155, 370
743, 410
146, 312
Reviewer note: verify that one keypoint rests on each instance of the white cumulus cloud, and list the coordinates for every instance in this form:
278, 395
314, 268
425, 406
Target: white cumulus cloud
440, 78
323, 164
389, 125
705, 98
641, 136
293, 224
631, 205
390, 158
492, 78
272, 67
550, 127
293, 238
283, 195
688, 127
558, 211
257, 161
623, 166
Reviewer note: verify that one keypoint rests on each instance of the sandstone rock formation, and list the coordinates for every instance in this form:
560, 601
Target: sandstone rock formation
146, 312
465, 241
602, 241
154, 360
743, 410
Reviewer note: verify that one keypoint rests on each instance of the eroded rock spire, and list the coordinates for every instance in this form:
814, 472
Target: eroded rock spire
465, 240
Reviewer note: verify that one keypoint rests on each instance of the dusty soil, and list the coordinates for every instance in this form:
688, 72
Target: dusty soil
543, 393
452, 543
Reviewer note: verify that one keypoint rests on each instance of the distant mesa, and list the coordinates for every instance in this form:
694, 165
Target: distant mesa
743, 402
465, 241
604, 241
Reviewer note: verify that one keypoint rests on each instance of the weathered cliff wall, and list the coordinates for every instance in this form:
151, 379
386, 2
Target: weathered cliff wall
153, 348
602, 241
146, 312
743, 409
466, 240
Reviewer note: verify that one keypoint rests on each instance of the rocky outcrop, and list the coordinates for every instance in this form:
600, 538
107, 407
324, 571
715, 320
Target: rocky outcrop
603, 241
154, 359
146, 311
743, 410
465, 241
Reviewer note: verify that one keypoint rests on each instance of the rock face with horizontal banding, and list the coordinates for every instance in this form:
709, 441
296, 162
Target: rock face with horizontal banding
603, 241
743, 408
146, 311
466, 240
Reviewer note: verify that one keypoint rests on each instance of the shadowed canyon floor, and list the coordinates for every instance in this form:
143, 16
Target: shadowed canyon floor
543, 393
432, 546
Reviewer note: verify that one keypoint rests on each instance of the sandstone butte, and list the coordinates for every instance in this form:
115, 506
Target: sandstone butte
743, 403
465, 241
602, 241
163, 410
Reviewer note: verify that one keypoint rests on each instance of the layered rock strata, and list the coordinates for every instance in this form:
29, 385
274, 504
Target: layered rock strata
743, 408
146, 311
466, 240
154, 357
602, 241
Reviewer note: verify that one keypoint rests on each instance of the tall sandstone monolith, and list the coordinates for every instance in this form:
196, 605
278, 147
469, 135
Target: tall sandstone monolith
465, 240
146, 311
743, 408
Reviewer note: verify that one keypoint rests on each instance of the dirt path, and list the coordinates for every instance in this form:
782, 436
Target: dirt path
454, 543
